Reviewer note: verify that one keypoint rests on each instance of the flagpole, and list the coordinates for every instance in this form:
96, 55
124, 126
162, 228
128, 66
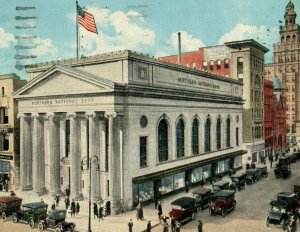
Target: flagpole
77, 33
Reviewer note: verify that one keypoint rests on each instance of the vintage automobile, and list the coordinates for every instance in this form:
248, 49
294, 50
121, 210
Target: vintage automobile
223, 203
283, 171
290, 199
220, 185
183, 209
9, 205
56, 221
277, 214
31, 213
252, 175
284, 160
203, 196
238, 181
263, 170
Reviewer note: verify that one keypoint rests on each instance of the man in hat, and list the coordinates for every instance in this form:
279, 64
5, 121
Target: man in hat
130, 225
200, 225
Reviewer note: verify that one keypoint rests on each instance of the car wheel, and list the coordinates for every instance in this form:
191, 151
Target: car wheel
31, 223
224, 212
57, 230
72, 227
15, 219
193, 216
41, 226
4, 216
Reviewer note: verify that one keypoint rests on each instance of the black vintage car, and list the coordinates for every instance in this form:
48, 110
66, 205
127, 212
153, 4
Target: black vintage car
277, 214
282, 170
9, 205
220, 185
203, 196
31, 213
252, 175
223, 203
56, 221
290, 199
238, 181
263, 170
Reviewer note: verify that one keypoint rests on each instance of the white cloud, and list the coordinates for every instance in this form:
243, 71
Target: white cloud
44, 48
188, 42
6, 38
264, 35
117, 30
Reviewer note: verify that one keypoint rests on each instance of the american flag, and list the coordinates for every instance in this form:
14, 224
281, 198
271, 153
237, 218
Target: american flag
86, 20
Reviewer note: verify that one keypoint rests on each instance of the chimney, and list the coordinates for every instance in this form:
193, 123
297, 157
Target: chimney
179, 48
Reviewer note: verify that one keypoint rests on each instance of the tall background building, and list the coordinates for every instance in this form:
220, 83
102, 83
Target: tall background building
286, 66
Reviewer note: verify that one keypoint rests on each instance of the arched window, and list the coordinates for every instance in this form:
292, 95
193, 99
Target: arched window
207, 135
228, 132
288, 39
180, 138
195, 137
163, 141
218, 132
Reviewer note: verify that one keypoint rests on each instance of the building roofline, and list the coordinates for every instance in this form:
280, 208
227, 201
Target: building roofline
251, 42
122, 55
9, 76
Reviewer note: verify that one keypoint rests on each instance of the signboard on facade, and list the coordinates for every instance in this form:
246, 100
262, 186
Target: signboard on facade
6, 157
217, 53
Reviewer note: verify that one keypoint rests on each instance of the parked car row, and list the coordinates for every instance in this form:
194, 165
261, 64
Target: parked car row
35, 214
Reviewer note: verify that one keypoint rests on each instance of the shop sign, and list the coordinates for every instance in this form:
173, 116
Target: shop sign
6, 157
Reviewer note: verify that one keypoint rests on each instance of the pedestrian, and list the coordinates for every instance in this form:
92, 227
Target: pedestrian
166, 228
271, 160
100, 216
95, 210
148, 226
173, 224
57, 199
187, 186
67, 191
67, 202
159, 208
73, 208
177, 229
107, 205
200, 225
53, 205
77, 208
155, 201
139, 212
130, 225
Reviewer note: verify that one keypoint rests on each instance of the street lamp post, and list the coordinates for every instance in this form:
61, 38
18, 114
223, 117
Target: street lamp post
84, 161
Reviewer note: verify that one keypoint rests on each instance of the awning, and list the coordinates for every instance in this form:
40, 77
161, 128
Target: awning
185, 167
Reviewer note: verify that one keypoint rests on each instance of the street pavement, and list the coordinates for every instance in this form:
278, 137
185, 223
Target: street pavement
249, 215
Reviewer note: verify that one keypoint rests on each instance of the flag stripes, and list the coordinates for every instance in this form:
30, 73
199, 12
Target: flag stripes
86, 20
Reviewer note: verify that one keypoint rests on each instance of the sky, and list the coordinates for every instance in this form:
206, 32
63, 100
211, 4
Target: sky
145, 26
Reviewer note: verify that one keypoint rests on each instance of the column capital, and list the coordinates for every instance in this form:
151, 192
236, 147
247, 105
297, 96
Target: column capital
91, 114
110, 114
71, 115
23, 115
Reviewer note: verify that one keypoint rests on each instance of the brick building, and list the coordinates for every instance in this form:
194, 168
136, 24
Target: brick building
286, 66
275, 116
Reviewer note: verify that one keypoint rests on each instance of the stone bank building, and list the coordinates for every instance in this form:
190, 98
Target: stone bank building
149, 127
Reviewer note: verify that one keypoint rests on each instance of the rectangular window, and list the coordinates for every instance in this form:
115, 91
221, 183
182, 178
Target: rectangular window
4, 139
4, 166
143, 151
3, 115
219, 64
211, 65
226, 63
237, 136
204, 65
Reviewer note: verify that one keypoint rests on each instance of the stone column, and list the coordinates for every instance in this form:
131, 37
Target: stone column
111, 160
75, 159
25, 153
94, 155
54, 155
62, 136
102, 155
38, 154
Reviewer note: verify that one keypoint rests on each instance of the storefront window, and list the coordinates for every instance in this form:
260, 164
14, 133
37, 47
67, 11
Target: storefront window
196, 175
179, 180
226, 165
166, 185
220, 166
237, 161
207, 170
143, 192
4, 166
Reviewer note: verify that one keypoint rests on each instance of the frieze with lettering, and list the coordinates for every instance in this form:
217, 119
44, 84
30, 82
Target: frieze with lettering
198, 82
66, 101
